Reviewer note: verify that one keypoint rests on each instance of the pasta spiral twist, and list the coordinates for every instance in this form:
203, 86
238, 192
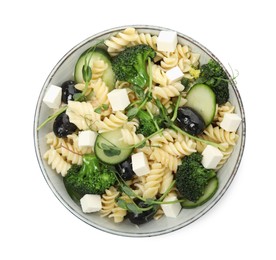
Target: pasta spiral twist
158, 75
74, 140
118, 42
118, 213
71, 154
54, 141
153, 180
226, 155
221, 110
169, 62
182, 51
108, 201
100, 91
169, 91
130, 137
219, 135
98, 69
56, 161
146, 38
166, 180
165, 159
112, 122
180, 149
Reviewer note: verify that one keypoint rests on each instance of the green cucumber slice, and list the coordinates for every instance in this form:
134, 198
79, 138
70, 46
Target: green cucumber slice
110, 148
210, 191
96, 54
202, 99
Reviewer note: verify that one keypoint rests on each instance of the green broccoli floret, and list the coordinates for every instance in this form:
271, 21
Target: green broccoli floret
146, 124
214, 76
192, 178
187, 83
92, 177
131, 64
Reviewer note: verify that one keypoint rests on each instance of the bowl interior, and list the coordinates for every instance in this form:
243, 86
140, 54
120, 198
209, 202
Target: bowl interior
64, 71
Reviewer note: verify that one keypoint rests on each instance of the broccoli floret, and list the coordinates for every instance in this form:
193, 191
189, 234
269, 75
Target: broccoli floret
92, 177
146, 124
187, 83
192, 178
131, 64
214, 76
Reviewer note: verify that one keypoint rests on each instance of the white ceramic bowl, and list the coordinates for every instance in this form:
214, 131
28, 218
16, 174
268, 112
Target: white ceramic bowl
64, 71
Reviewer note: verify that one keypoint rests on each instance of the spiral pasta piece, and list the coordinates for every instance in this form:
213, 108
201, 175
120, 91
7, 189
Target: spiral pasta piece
159, 75
180, 149
139, 184
108, 201
132, 125
98, 69
70, 153
54, 141
221, 110
74, 140
119, 213
169, 62
219, 135
165, 159
56, 161
226, 154
130, 137
119, 42
153, 180
169, 91
100, 91
168, 135
82, 114
81, 87
146, 38
182, 51
112, 122
166, 180
184, 64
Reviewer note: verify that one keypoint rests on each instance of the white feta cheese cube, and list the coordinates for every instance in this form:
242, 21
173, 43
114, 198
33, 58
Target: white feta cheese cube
87, 138
171, 210
140, 164
52, 97
91, 203
211, 156
118, 99
167, 41
174, 74
230, 122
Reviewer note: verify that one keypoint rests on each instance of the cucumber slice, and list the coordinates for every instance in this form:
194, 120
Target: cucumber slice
210, 191
96, 54
110, 148
202, 99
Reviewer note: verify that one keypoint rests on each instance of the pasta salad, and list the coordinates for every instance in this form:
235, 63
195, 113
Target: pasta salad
143, 128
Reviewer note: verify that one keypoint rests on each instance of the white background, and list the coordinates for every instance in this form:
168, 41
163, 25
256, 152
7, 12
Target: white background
36, 34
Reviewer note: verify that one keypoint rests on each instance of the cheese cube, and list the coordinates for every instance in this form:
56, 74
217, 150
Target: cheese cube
174, 74
211, 157
52, 97
118, 99
167, 41
140, 164
91, 203
87, 138
171, 210
230, 122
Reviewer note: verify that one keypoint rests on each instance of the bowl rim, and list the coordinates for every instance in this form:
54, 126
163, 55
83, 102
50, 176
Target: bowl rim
56, 192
